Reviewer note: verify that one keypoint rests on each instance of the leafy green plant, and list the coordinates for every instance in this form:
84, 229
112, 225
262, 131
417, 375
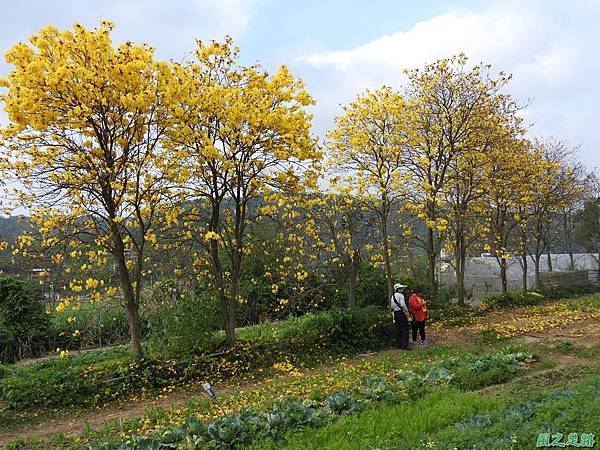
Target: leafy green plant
298, 413
564, 346
254, 423
410, 380
487, 370
227, 431
438, 376
340, 403
275, 422
377, 388
475, 421
24, 323
194, 426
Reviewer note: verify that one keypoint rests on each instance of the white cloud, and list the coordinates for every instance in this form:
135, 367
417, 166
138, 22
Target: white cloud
545, 45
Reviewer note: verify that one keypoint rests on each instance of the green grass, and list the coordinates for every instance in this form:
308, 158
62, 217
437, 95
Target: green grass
517, 426
397, 424
584, 303
516, 412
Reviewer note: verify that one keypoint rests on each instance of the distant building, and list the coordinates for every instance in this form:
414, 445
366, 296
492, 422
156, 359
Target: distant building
482, 274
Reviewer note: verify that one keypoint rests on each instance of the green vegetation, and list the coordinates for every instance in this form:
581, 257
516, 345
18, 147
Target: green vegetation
394, 400
397, 424
92, 324
23, 321
99, 377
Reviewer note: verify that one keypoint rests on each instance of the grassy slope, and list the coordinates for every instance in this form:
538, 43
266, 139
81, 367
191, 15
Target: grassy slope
429, 422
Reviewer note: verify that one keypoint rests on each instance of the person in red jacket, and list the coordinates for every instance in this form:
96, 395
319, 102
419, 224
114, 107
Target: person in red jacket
418, 309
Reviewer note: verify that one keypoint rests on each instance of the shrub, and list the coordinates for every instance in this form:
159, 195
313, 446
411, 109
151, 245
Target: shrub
455, 315
183, 325
371, 288
512, 299
93, 324
24, 323
100, 377
567, 292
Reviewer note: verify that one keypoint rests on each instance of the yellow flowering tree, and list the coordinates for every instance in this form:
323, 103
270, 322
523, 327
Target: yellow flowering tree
513, 169
86, 119
367, 148
453, 109
344, 230
243, 137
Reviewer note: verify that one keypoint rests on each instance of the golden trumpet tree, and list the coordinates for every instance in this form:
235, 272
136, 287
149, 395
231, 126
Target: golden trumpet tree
345, 228
453, 112
367, 148
296, 252
86, 119
468, 184
513, 169
243, 138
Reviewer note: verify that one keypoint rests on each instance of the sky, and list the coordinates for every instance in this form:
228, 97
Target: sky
342, 47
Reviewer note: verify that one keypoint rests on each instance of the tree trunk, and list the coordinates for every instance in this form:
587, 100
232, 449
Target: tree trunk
386, 256
229, 310
232, 300
131, 305
571, 258
461, 259
431, 261
353, 277
525, 267
569, 241
549, 262
133, 317
538, 283
503, 275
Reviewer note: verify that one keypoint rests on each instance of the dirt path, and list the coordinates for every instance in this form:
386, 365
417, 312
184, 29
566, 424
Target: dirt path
581, 333
96, 419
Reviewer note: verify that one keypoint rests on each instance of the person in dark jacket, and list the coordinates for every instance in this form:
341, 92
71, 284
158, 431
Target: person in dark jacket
401, 316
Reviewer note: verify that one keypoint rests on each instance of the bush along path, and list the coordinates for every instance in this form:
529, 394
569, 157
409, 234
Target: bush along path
97, 379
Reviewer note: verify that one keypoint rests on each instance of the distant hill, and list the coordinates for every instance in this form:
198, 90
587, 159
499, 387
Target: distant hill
11, 227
